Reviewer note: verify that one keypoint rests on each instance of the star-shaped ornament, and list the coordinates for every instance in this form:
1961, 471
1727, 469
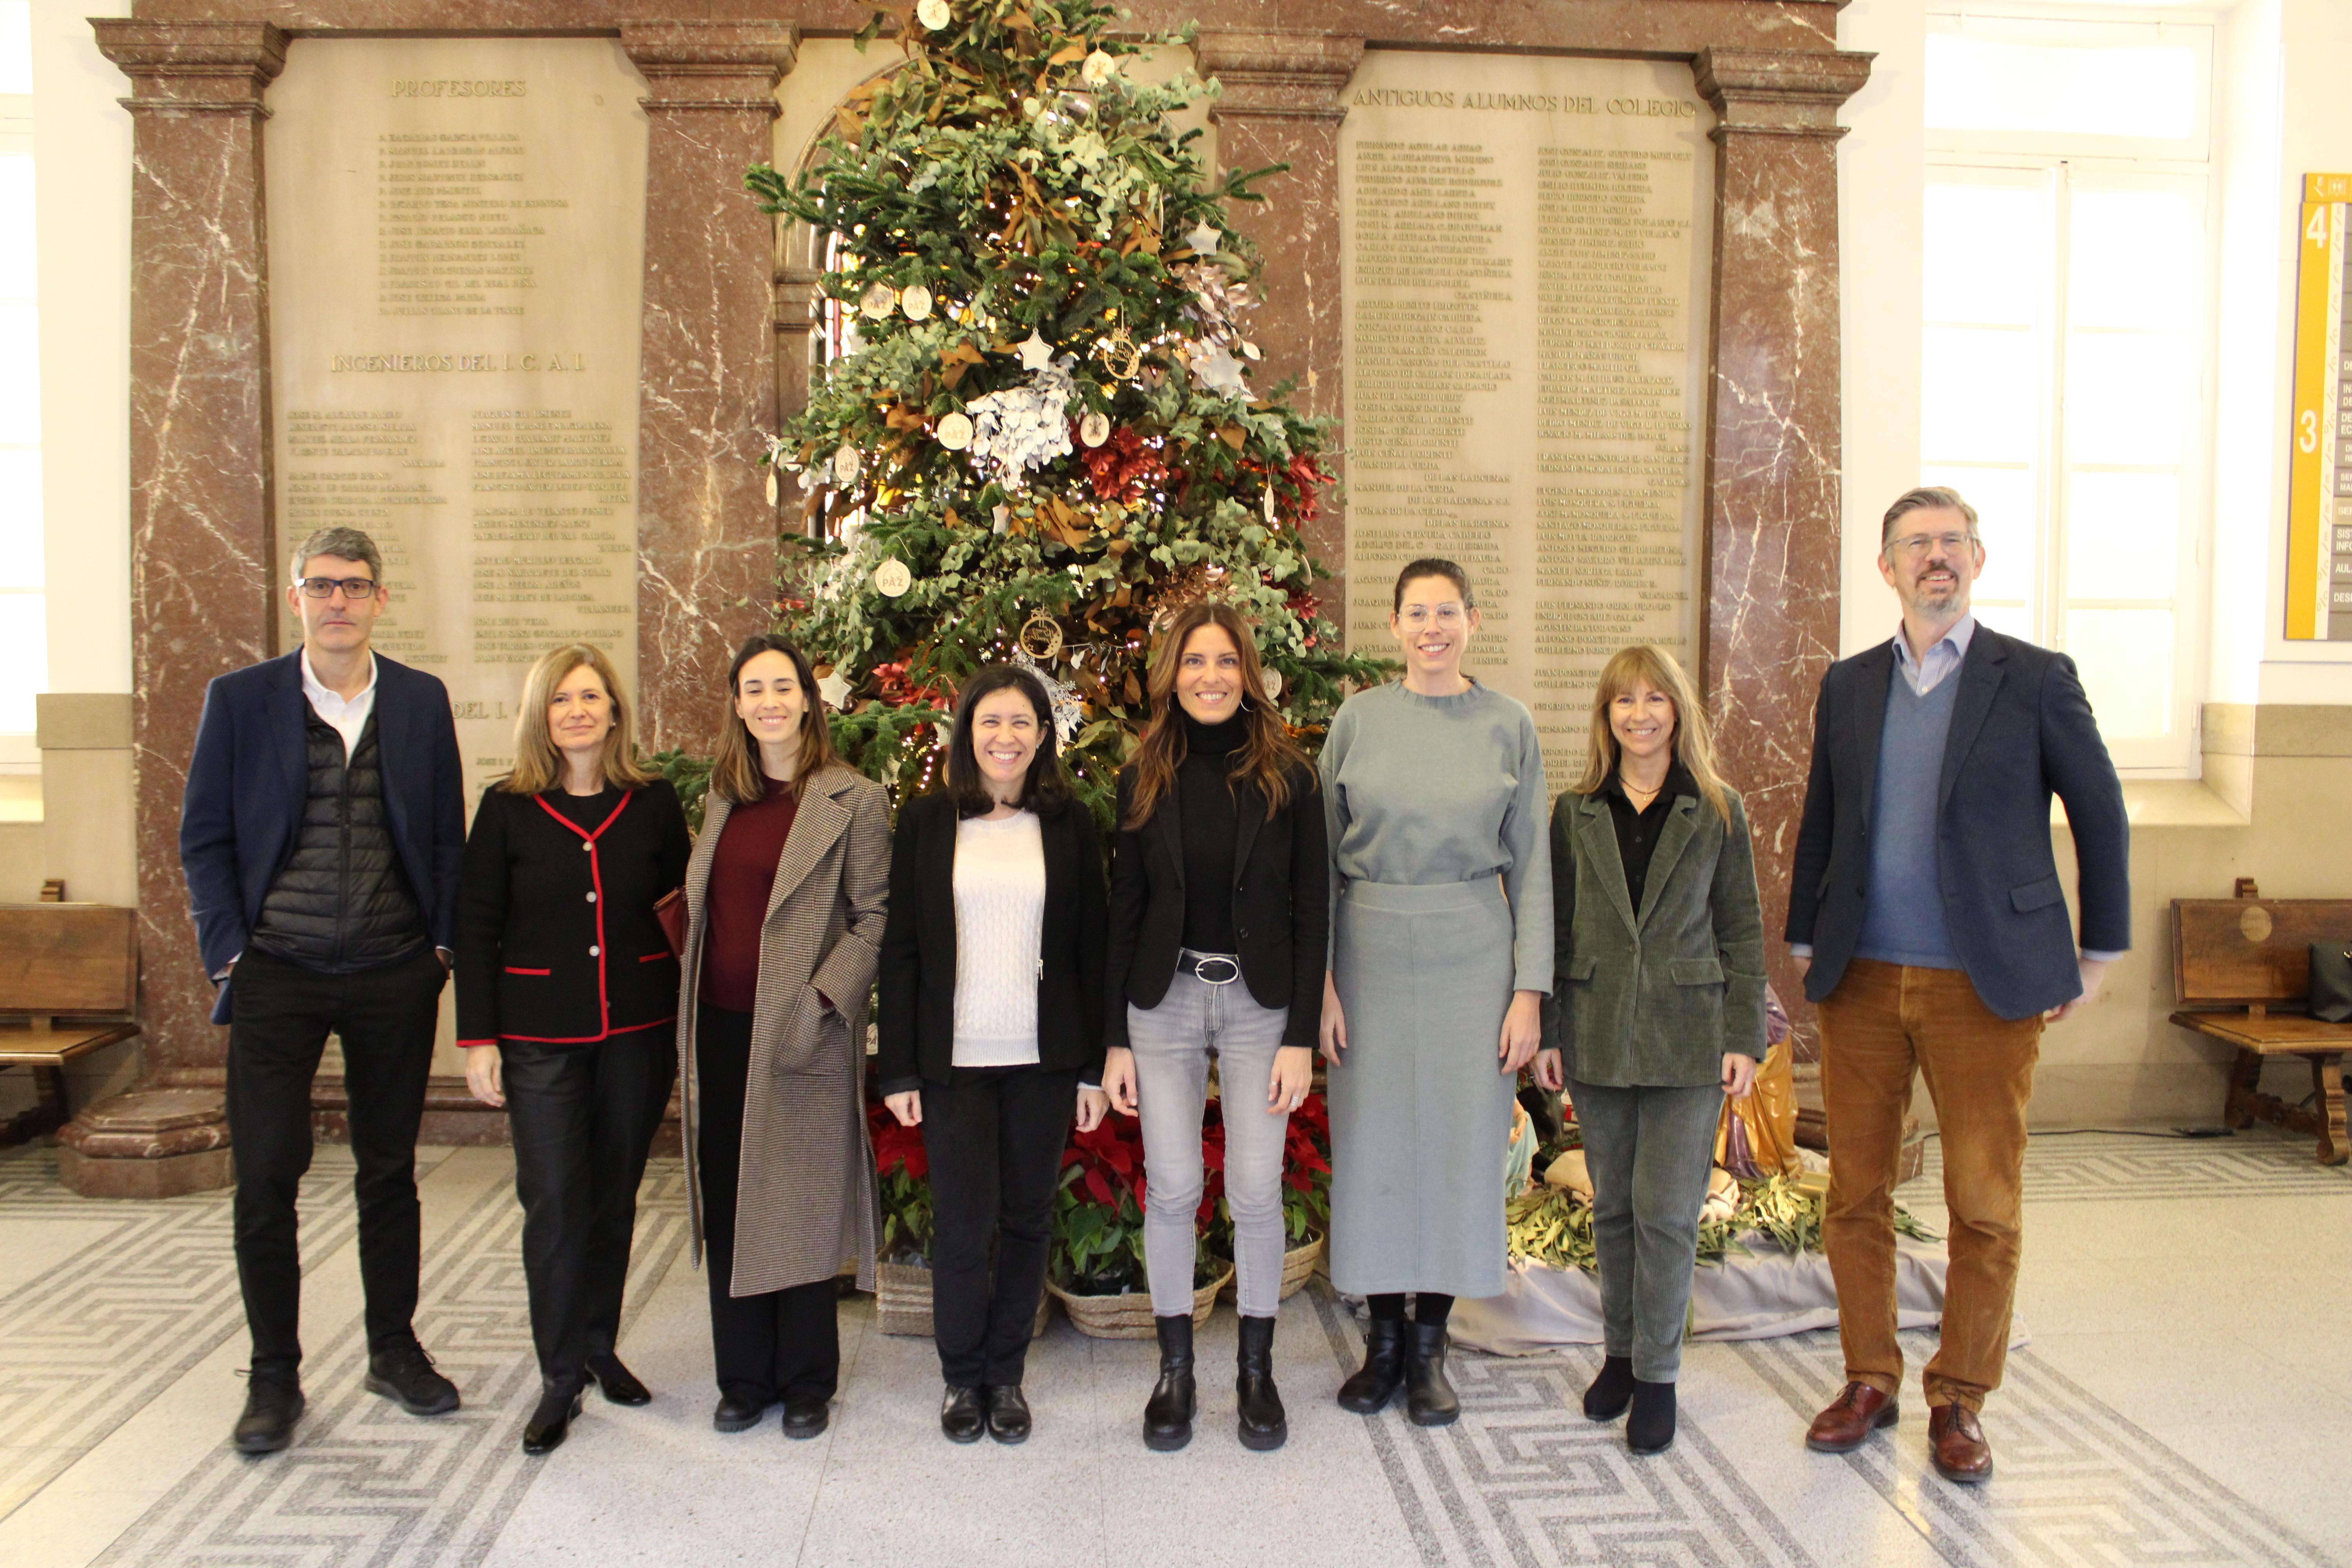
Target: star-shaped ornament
1035, 352
1205, 239
835, 689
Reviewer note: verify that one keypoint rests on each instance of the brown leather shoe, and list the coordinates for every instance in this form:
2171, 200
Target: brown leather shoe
1958, 1445
1851, 1419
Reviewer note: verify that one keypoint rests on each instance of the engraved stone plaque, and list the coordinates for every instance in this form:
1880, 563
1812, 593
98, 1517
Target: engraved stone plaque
456, 255
1525, 244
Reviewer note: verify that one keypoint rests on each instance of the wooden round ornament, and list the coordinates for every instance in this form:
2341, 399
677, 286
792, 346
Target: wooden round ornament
955, 432
1095, 428
916, 301
878, 301
892, 578
846, 464
1041, 636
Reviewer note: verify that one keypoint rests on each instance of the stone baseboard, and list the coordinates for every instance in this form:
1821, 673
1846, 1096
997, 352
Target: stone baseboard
208, 1169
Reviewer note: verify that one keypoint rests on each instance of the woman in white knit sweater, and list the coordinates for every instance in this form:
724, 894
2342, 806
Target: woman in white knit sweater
992, 1028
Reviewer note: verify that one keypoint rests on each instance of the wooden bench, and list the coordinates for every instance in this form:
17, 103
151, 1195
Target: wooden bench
2252, 955
69, 987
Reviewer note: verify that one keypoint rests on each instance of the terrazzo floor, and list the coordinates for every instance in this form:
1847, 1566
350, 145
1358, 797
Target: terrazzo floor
2185, 1400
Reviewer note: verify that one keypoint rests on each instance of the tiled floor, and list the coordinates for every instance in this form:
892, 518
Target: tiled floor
2187, 1400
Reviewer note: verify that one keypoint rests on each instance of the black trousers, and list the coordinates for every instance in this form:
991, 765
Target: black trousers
280, 1014
779, 1344
995, 1137
584, 1118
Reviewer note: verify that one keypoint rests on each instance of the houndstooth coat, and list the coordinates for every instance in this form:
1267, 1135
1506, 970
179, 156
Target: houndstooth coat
806, 1198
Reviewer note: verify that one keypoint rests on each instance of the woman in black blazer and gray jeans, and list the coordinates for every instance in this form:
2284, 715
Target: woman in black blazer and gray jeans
566, 994
992, 1028
1220, 889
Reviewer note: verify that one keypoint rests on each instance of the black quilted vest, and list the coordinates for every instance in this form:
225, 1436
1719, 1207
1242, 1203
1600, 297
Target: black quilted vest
340, 904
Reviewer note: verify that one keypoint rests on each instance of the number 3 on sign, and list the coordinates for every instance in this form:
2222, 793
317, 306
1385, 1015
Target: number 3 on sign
2306, 429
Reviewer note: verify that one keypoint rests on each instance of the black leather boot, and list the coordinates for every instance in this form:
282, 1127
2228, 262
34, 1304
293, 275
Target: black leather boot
1611, 1391
1429, 1398
1168, 1414
1383, 1372
1651, 1427
1263, 1423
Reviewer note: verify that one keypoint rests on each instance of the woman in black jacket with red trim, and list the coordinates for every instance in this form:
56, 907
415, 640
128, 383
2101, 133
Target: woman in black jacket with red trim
566, 994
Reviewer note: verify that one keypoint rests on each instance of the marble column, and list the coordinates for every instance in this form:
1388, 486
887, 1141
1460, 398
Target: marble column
705, 534
1283, 102
200, 453
1772, 440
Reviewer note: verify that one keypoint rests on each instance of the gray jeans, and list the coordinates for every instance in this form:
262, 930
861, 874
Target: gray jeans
1649, 1152
1172, 1044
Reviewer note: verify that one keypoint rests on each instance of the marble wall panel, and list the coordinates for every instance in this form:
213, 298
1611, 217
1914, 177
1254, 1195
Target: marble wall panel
200, 468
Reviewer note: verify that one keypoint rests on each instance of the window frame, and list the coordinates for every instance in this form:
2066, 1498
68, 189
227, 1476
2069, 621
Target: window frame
2068, 166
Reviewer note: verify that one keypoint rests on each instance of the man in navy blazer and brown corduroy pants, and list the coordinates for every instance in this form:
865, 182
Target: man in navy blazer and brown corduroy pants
321, 835
1925, 905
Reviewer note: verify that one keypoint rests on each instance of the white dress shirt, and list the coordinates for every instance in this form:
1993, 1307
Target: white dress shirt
348, 716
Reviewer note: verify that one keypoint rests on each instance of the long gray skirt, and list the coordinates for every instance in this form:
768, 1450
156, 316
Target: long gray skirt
1420, 1111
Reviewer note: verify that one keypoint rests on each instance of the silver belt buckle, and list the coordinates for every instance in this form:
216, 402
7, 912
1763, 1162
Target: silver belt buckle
1201, 962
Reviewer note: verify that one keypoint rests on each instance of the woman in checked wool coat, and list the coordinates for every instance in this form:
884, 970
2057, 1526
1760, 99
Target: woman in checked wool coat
786, 897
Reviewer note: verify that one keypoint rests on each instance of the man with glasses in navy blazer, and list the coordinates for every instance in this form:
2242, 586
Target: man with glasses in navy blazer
322, 833
1926, 911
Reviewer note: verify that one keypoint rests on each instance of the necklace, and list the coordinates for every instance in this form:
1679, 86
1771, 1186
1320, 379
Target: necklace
1633, 789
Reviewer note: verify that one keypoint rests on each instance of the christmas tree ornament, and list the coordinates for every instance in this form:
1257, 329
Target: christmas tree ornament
1099, 69
892, 578
933, 14
1205, 239
1040, 636
879, 300
844, 466
1001, 515
1022, 429
1271, 678
771, 484
1119, 354
1095, 428
1215, 370
1269, 503
955, 432
1035, 352
1069, 713
916, 301
834, 686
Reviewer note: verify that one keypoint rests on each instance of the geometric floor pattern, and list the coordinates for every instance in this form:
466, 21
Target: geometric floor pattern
2185, 1401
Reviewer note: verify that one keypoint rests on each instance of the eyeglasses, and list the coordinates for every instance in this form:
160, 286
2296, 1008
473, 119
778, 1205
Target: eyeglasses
324, 587
1448, 615
1916, 544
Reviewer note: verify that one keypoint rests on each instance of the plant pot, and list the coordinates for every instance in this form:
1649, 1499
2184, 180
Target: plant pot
903, 1299
1127, 1315
1298, 1267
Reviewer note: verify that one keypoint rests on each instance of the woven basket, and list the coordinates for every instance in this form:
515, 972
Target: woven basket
1298, 1267
1127, 1315
903, 1297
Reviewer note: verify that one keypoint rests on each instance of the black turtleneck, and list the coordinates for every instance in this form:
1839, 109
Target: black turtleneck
1207, 814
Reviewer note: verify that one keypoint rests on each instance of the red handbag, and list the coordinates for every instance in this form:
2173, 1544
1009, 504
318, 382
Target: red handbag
670, 910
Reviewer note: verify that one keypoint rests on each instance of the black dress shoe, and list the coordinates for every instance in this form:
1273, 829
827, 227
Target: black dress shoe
620, 1385
404, 1373
272, 1405
1008, 1414
1370, 1387
1167, 1413
963, 1413
735, 1415
1263, 1423
1429, 1397
1611, 1391
551, 1422
804, 1417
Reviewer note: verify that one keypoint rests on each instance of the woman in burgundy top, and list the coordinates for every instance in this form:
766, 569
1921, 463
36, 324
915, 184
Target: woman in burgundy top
567, 996
786, 898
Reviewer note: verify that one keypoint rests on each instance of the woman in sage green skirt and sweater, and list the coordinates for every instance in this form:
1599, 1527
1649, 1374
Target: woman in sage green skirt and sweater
1441, 956
1659, 1009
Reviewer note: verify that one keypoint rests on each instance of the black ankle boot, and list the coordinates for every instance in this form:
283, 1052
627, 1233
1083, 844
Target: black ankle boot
1429, 1398
1168, 1414
1650, 1428
1263, 1423
1383, 1370
1611, 1391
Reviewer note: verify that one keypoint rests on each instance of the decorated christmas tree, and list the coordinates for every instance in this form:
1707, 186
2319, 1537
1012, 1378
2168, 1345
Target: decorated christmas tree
1040, 437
